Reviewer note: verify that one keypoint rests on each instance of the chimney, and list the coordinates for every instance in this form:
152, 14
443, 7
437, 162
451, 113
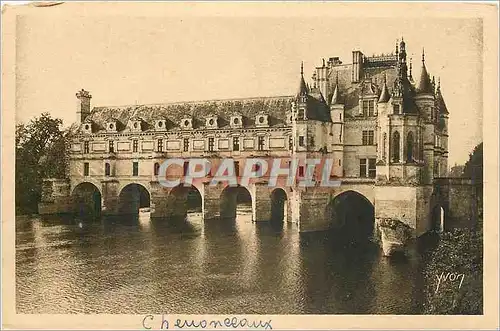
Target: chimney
357, 66
82, 105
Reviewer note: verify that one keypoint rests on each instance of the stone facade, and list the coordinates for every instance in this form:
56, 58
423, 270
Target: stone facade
386, 134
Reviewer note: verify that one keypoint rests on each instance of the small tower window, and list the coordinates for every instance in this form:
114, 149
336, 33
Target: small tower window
409, 147
301, 114
156, 169
186, 144
111, 145
395, 146
107, 169
86, 169
135, 169
86, 147
396, 109
301, 141
290, 143
384, 145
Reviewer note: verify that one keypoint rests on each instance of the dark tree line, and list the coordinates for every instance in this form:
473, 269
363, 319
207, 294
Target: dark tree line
41, 152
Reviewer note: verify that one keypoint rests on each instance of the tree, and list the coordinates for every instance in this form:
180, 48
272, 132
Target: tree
41, 152
474, 169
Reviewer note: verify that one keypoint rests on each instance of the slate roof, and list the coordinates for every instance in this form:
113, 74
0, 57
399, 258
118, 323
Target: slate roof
276, 107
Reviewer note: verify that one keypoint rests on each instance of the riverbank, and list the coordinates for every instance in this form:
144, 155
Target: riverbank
453, 276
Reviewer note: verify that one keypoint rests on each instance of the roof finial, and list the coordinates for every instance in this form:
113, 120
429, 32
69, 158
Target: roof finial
397, 45
423, 55
302, 68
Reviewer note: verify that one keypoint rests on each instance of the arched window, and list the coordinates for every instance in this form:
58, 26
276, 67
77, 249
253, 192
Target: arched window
156, 169
409, 147
395, 146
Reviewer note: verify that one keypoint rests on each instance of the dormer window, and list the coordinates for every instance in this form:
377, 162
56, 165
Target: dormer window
87, 127
187, 123
161, 125
135, 124
262, 120
111, 126
368, 107
236, 121
212, 122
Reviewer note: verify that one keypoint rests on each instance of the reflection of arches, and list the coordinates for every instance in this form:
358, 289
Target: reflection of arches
438, 219
184, 199
395, 146
87, 199
133, 197
409, 147
353, 214
231, 196
279, 205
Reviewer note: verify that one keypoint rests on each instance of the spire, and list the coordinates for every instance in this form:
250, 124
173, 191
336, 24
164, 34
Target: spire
439, 99
424, 85
384, 95
410, 77
303, 87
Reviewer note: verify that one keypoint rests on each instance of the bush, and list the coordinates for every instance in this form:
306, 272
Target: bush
459, 252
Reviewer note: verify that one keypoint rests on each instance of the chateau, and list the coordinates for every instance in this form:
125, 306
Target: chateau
386, 132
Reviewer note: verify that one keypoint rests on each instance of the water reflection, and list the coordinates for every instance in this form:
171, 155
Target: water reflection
221, 266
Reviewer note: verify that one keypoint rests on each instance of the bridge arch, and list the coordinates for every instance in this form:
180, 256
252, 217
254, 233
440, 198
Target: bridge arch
231, 197
132, 198
279, 205
87, 199
352, 214
184, 199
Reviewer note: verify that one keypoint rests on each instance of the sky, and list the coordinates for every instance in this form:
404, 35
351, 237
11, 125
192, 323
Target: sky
143, 60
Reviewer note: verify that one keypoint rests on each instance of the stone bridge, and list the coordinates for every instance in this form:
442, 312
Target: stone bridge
358, 204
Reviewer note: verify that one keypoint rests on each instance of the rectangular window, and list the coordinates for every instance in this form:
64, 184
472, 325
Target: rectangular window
160, 145
236, 168
301, 141
185, 168
156, 169
135, 169
362, 167
107, 169
211, 144
236, 143
396, 109
86, 169
301, 114
260, 143
371, 108
371, 168
86, 147
186, 144
368, 137
365, 108
111, 145
301, 171
135, 145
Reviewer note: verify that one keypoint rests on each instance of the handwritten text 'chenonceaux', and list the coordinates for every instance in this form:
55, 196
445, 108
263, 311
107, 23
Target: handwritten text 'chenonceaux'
149, 322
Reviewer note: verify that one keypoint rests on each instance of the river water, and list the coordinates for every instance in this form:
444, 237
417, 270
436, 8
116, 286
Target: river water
216, 267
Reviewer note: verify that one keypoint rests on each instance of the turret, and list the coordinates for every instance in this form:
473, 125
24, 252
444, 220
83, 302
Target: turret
82, 105
337, 137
